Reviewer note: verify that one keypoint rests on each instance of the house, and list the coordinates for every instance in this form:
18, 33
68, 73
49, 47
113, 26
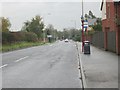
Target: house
111, 24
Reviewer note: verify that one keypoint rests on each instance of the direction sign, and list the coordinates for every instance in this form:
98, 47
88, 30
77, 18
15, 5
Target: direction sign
49, 36
85, 24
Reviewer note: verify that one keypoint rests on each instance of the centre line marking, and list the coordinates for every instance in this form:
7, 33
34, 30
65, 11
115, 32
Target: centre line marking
21, 58
4, 66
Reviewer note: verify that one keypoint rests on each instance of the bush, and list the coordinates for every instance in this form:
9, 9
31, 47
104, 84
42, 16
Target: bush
7, 37
18, 36
77, 38
12, 37
31, 37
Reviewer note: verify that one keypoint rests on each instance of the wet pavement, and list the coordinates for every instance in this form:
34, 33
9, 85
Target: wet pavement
100, 68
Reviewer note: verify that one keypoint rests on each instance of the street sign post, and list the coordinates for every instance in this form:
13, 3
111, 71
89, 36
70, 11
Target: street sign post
85, 24
49, 36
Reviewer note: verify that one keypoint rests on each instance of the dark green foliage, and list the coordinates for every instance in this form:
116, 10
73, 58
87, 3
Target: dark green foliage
12, 37
77, 38
76, 35
35, 25
5, 24
7, 37
70, 34
91, 15
31, 37
97, 27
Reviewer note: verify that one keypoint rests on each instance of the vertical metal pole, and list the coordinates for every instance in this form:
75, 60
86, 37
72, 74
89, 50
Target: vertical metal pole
82, 8
82, 28
44, 36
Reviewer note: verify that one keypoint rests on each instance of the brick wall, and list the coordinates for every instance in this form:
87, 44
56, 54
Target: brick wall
109, 25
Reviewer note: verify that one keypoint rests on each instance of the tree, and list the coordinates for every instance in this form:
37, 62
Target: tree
87, 16
98, 26
35, 25
99, 21
5, 24
71, 33
60, 35
66, 33
91, 15
50, 29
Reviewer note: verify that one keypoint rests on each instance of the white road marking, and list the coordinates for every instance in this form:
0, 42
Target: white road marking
4, 66
21, 58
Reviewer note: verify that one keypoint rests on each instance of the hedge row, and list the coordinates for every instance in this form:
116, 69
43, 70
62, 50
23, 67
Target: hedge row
10, 37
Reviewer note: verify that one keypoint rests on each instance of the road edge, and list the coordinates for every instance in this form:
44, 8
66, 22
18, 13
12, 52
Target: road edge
84, 85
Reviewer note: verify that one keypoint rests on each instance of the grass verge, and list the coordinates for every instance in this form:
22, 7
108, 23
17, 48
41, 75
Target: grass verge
19, 45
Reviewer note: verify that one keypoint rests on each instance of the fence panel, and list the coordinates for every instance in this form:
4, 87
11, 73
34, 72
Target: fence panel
98, 39
111, 37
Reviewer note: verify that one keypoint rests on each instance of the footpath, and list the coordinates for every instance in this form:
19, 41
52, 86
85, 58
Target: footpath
100, 68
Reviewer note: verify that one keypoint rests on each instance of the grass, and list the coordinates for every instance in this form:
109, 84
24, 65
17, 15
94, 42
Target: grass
19, 45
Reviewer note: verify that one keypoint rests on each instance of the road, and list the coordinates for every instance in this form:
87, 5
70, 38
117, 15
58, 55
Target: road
48, 66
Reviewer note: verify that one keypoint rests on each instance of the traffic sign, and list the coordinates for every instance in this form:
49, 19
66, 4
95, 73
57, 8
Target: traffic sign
49, 36
85, 24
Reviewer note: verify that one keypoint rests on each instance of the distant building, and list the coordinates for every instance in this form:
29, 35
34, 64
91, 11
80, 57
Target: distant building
111, 23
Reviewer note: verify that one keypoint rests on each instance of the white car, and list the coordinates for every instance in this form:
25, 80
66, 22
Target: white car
66, 40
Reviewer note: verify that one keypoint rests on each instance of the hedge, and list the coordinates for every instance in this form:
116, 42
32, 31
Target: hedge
10, 37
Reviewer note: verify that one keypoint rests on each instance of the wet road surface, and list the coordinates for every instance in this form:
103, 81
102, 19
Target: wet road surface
49, 66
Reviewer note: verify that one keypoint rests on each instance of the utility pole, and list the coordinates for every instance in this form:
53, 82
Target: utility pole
44, 37
44, 34
82, 20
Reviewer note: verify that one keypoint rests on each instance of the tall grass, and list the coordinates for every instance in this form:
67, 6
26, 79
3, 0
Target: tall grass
19, 45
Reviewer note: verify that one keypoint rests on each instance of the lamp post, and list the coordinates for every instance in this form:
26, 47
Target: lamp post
82, 20
44, 35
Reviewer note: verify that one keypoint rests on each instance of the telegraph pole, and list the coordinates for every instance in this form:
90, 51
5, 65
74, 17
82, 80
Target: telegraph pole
82, 20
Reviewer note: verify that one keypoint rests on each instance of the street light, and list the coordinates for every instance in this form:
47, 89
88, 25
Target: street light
82, 20
44, 35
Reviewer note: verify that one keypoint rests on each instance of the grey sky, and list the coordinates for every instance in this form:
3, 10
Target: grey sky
60, 14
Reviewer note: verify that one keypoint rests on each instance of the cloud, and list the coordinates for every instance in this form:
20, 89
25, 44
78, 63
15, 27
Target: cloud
50, 0
0, 9
59, 14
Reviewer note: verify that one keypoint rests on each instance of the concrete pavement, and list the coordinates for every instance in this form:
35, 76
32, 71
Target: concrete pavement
100, 68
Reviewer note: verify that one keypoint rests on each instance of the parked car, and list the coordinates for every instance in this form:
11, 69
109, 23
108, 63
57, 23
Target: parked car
66, 40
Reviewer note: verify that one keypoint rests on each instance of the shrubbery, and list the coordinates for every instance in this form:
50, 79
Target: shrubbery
7, 37
31, 37
11, 37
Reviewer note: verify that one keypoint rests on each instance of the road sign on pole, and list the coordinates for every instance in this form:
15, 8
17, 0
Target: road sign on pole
85, 24
49, 36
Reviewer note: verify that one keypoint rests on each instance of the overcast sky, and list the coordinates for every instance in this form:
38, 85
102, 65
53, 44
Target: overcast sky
60, 14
